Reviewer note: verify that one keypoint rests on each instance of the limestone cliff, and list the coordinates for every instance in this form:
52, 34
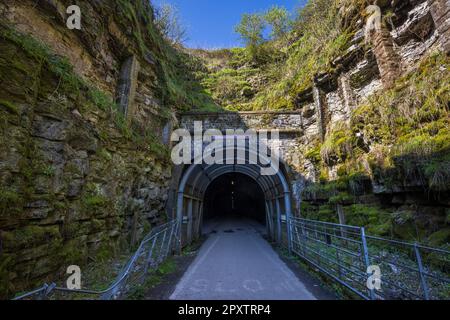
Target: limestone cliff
374, 114
85, 116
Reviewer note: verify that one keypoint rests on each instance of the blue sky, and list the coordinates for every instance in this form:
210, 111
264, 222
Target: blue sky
210, 23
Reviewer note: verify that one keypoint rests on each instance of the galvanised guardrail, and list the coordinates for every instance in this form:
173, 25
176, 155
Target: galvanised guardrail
408, 271
344, 253
153, 250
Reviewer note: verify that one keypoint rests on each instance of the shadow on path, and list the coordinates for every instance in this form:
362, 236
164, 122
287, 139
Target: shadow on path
237, 263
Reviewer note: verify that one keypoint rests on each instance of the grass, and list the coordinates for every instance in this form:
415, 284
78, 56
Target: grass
31, 235
398, 137
60, 66
337, 146
9, 107
329, 284
10, 200
154, 278
239, 82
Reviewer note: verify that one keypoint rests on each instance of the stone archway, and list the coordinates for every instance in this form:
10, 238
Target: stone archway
197, 178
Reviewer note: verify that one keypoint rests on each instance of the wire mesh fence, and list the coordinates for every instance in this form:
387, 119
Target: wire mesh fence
154, 249
345, 253
348, 255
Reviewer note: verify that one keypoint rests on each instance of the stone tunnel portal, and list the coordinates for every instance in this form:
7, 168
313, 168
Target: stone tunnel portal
240, 190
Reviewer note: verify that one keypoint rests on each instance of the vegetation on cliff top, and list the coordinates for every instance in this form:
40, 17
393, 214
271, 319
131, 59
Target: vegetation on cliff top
269, 74
399, 139
160, 35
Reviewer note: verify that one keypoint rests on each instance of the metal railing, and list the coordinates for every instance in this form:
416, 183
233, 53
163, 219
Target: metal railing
153, 250
344, 253
408, 271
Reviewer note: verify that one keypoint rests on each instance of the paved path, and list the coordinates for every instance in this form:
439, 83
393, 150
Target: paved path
236, 263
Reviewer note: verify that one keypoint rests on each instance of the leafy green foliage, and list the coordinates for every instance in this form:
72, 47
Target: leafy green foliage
251, 28
275, 72
337, 146
278, 19
167, 20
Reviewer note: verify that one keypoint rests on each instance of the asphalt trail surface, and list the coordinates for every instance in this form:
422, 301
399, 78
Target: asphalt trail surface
237, 263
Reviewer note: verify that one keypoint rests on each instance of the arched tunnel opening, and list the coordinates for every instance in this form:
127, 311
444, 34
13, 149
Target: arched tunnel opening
219, 195
234, 196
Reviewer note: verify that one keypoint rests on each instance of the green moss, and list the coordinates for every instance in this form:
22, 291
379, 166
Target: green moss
147, 227
405, 226
441, 262
155, 278
377, 221
95, 201
341, 198
100, 99
105, 251
35, 49
48, 171
440, 238
74, 252
314, 155
323, 212
9, 107
72, 169
327, 213
105, 154
415, 125
337, 146
97, 225
123, 125
6, 262
31, 236
404, 137
70, 83
10, 201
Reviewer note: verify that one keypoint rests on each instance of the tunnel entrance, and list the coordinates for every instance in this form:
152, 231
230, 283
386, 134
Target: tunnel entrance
235, 188
234, 195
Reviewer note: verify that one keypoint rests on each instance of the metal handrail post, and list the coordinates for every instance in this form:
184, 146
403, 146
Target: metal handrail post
423, 280
170, 240
149, 256
366, 259
160, 256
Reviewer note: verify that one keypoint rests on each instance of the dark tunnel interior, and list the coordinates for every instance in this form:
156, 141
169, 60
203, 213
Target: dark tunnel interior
235, 195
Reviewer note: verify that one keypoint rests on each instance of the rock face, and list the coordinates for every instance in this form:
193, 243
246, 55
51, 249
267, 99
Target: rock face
79, 179
440, 11
387, 59
370, 172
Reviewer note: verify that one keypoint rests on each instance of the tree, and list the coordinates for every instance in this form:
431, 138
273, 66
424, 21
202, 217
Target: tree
278, 19
168, 22
251, 29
